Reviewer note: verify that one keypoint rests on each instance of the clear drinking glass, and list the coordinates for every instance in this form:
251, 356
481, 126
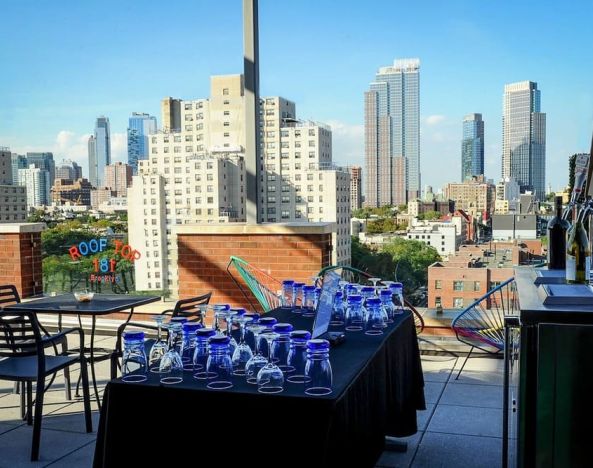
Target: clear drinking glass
297, 297
309, 301
398, 297
249, 338
201, 353
374, 322
159, 348
267, 322
219, 363
258, 361
318, 369
354, 313
286, 299
281, 346
270, 378
242, 353
171, 365
297, 356
339, 311
387, 304
188, 344
133, 366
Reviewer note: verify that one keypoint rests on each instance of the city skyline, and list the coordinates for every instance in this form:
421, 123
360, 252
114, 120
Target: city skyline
449, 89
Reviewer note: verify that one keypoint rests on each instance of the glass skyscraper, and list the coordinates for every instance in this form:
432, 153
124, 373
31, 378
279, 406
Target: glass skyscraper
524, 137
99, 147
392, 135
472, 146
139, 127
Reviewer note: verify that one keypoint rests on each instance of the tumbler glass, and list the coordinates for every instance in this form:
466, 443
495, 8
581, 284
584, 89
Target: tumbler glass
318, 369
133, 367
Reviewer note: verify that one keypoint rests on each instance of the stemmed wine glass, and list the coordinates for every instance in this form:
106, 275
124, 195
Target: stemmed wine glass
242, 353
258, 361
159, 348
270, 378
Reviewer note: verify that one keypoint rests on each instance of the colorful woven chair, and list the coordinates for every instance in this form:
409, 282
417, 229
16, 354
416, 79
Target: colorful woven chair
354, 275
481, 325
261, 285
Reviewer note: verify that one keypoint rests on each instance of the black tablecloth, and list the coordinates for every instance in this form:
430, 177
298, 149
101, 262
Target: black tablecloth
377, 388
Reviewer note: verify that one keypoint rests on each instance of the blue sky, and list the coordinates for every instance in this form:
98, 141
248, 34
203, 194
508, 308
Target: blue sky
66, 62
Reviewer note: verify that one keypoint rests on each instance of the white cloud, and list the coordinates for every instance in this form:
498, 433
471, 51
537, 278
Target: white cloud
347, 143
434, 119
70, 145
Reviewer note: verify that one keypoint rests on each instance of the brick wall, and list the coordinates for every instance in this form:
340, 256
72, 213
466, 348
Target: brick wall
20, 245
203, 260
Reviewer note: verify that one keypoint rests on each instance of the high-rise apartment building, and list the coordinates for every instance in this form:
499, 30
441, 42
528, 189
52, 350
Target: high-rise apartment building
68, 170
37, 183
355, 187
524, 137
44, 161
5, 166
19, 161
472, 146
118, 177
197, 175
392, 135
99, 147
140, 126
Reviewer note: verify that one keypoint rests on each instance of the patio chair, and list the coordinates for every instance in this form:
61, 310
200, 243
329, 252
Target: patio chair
189, 308
354, 275
261, 285
23, 348
481, 325
9, 295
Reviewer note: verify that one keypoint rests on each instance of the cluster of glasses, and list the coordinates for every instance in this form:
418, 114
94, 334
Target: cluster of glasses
367, 308
300, 298
267, 354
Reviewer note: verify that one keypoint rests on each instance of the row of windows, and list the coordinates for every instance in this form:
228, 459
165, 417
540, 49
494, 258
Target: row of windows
460, 285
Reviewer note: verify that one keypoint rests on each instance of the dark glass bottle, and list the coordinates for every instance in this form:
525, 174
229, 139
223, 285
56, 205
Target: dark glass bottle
578, 255
557, 228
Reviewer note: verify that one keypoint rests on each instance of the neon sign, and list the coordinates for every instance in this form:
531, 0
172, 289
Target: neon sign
103, 268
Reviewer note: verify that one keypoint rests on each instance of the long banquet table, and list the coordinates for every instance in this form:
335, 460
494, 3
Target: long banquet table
377, 388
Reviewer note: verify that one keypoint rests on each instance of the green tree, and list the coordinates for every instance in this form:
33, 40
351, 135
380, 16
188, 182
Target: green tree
430, 215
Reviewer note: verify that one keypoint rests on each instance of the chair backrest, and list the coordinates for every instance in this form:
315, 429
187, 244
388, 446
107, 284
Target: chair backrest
261, 285
19, 334
8, 295
482, 323
190, 307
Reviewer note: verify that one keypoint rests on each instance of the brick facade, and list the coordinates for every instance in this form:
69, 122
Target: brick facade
203, 256
20, 265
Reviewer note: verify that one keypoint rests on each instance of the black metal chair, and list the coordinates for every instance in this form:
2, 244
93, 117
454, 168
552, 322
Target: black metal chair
189, 308
23, 348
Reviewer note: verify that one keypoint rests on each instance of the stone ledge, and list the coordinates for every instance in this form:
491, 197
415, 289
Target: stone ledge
264, 228
17, 228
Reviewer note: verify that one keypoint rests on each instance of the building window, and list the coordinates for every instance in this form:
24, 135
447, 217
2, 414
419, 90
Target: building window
285, 214
476, 285
457, 285
438, 284
225, 91
458, 302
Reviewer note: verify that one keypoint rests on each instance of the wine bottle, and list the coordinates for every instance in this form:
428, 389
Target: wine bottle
557, 228
578, 255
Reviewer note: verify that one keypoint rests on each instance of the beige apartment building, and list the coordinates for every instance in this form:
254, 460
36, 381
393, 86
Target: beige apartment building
355, 187
118, 177
474, 196
195, 173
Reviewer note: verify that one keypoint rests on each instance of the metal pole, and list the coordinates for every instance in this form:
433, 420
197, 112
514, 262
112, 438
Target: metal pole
252, 136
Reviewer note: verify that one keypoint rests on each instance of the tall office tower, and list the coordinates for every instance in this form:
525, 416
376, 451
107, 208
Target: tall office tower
524, 137
37, 183
5, 166
92, 150
355, 187
118, 177
44, 161
198, 175
472, 146
68, 170
140, 126
99, 151
19, 161
392, 135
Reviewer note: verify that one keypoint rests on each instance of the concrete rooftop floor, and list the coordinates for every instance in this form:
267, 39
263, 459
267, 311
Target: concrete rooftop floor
462, 425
